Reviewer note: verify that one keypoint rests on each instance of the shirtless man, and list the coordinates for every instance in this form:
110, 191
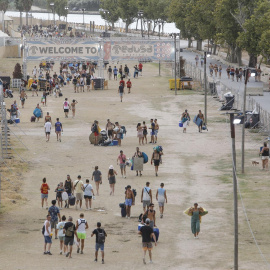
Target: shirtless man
152, 133
151, 214
156, 129
109, 127
23, 96
130, 200
156, 158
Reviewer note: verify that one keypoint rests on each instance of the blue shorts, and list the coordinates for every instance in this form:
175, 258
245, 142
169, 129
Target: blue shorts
128, 202
156, 132
152, 133
100, 246
48, 239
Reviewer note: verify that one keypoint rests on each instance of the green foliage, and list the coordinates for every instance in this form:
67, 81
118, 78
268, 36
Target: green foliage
112, 7
59, 7
19, 4
128, 11
4, 5
27, 5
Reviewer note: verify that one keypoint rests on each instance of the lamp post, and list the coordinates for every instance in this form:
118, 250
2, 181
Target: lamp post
174, 35
140, 15
83, 10
52, 7
66, 8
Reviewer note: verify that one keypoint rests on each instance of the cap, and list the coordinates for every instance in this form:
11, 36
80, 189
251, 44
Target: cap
147, 221
111, 167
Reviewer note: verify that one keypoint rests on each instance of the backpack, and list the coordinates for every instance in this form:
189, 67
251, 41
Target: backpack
100, 236
134, 192
145, 157
69, 231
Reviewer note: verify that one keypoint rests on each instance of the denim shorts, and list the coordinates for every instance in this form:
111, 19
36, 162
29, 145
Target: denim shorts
128, 202
99, 246
48, 239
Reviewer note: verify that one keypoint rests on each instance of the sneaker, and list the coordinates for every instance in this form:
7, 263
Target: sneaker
125, 177
102, 261
61, 252
67, 254
95, 260
126, 216
81, 252
78, 250
151, 262
76, 207
44, 253
144, 261
56, 237
49, 253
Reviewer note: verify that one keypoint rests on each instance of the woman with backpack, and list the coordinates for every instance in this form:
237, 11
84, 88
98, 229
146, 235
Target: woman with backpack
111, 177
156, 156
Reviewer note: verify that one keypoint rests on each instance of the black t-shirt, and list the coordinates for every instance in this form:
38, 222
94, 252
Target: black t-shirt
110, 70
153, 126
121, 89
70, 227
146, 233
96, 233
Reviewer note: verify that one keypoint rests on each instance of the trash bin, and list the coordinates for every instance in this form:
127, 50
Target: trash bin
98, 83
212, 87
186, 83
172, 84
252, 119
229, 102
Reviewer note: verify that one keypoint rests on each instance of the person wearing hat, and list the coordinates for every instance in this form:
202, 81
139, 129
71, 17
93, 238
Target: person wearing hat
147, 234
185, 118
111, 177
151, 214
78, 190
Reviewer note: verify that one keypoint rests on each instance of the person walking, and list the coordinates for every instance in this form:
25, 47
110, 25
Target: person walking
59, 191
61, 235
66, 107
97, 176
151, 214
109, 71
228, 70
121, 91
140, 133
115, 71
47, 118
144, 127
147, 234
265, 156
219, 71
156, 156
44, 189
47, 127
78, 191
55, 214
111, 177
68, 188
58, 127
185, 118
69, 230
146, 197
23, 96
122, 163
161, 197
152, 133
100, 240
88, 194
81, 226
232, 73
95, 130
156, 129
129, 85
47, 236
129, 200
138, 161
197, 60
201, 116
73, 107
195, 213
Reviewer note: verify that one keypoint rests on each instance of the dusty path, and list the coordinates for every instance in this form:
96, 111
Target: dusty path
186, 171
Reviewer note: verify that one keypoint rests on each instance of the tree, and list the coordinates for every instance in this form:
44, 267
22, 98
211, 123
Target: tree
20, 6
27, 7
128, 11
265, 45
114, 12
59, 8
4, 5
17, 74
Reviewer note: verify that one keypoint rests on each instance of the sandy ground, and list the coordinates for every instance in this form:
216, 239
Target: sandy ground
187, 172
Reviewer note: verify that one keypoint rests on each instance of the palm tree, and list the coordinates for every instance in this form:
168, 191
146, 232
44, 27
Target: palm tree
27, 7
20, 6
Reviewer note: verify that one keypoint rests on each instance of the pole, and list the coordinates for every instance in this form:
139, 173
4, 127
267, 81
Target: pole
234, 194
175, 85
205, 91
159, 68
141, 25
83, 18
243, 125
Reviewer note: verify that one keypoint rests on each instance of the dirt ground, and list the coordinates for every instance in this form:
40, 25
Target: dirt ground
192, 170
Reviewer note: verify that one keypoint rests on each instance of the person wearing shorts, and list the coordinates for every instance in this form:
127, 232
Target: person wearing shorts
44, 189
109, 127
156, 129
69, 230
147, 234
121, 91
97, 176
55, 214
161, 197
58, 129
146, 197
78, 190
122, 162
47, 236
129, 200
81, 226
98, 244
156, 158
88, 194
66, 107
47, 128
61, 235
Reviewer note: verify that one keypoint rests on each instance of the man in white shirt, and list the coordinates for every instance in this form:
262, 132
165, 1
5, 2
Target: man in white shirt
78, 190
47, 235
88, 194
66, 107
34, 72
81, 226
146, 197
47, 127
61, 235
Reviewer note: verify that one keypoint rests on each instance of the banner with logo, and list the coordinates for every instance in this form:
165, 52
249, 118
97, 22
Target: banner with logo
78, 49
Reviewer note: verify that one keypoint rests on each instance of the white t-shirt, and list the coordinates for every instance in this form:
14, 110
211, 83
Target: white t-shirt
49, 229
48, 126
66, 104
146, 196
34, 71
88, 189
60, 227
81, 225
